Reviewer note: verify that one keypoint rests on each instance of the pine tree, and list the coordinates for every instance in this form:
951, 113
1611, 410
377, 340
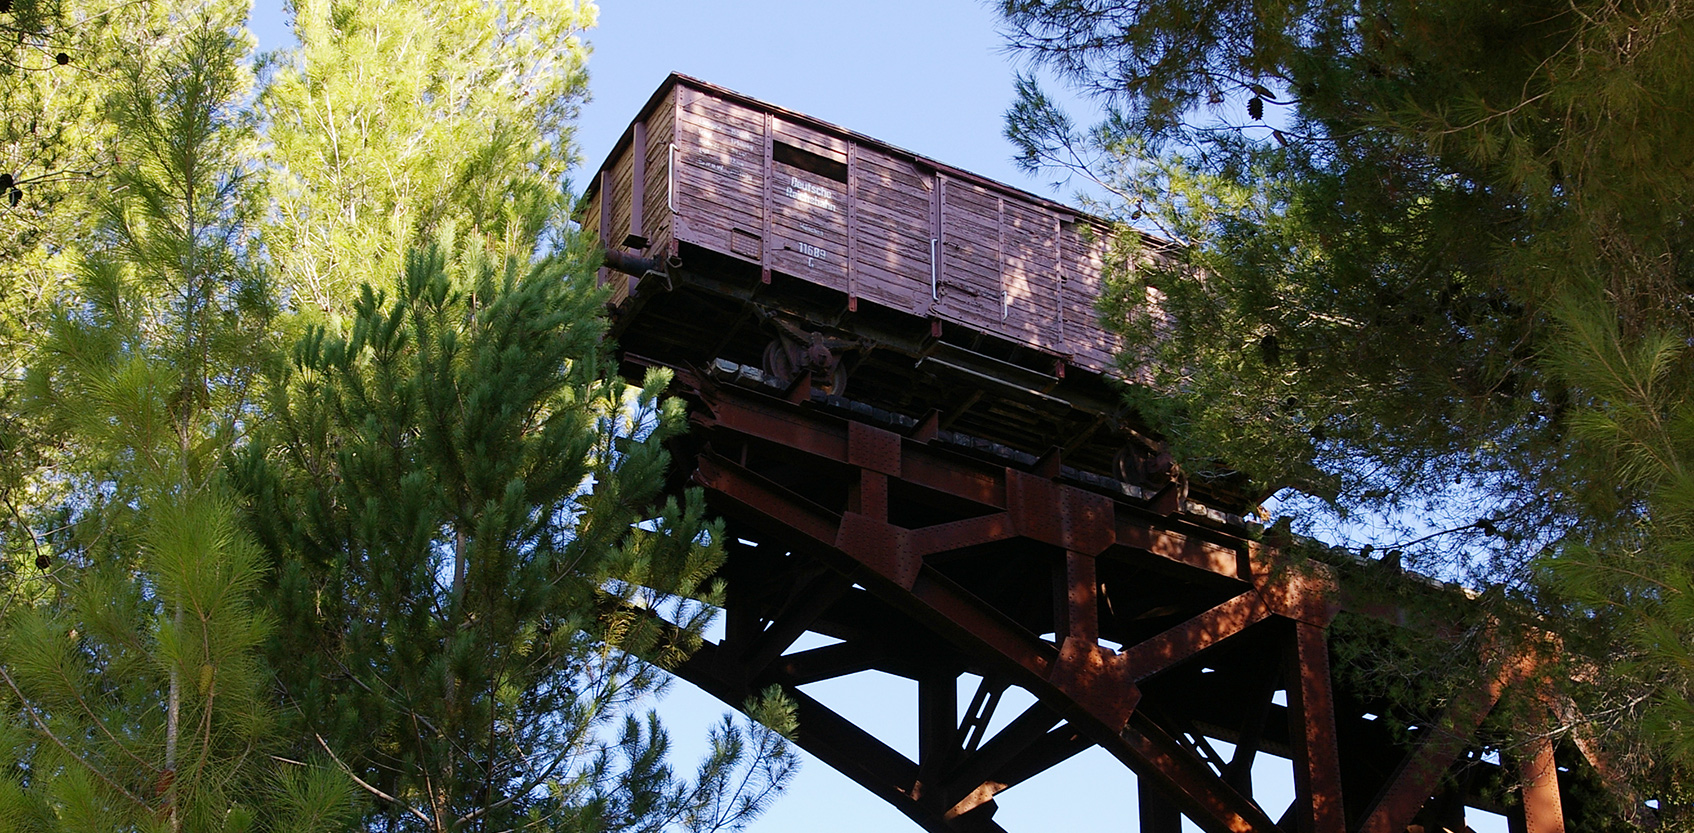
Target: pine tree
53, 56
53, 144
135, 693
467, 508
464, 500
1446, 272
393, 118
421, 575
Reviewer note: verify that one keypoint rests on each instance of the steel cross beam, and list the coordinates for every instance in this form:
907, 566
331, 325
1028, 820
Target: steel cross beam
929, 563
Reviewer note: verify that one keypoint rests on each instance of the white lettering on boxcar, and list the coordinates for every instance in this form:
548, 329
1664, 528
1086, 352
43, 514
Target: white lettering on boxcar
806, 192
702, 160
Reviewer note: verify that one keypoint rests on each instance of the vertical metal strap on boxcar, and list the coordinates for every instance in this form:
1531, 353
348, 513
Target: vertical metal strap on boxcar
937, 208
1059, 285
768, 243
852, 226
1000, 260
670, 180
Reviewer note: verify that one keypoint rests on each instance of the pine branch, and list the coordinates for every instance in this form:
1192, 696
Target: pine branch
366, 786
86, 764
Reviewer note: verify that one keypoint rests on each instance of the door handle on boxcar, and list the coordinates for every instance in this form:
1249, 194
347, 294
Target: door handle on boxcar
670, 180
934, 269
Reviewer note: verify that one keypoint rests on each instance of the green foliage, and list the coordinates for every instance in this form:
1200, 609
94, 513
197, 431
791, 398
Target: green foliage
464, 502
1632, 583
466, 508
393, 120
129, 646
53, 56
53, 140
1442, 273
419, 573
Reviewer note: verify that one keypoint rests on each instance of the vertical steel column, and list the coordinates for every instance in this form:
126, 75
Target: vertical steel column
938, 736
1082, 608
1158, 814
1311, 713
1543, 809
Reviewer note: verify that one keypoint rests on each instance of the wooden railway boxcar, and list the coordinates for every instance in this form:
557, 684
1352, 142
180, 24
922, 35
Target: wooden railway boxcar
706, 167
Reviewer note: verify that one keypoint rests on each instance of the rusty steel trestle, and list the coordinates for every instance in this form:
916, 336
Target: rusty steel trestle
928, 563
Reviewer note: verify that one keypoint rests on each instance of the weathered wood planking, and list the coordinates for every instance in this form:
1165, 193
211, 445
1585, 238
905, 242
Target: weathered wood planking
661, 126
610, 207
1090, 345
806, 199
808, 226
720, 175
892, 209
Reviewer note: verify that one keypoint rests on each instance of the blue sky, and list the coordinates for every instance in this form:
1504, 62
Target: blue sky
931, 76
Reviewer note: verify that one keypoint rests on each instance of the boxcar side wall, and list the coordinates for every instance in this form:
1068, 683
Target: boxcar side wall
627, 216
879, 225
808, 201
1030, 274
591, 220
